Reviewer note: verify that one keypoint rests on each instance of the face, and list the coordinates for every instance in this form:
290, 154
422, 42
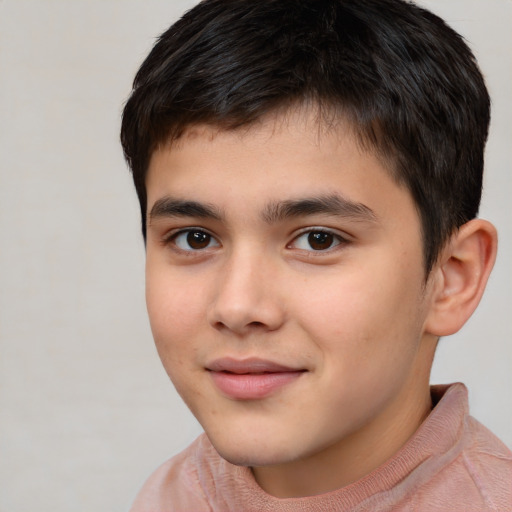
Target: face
286, 292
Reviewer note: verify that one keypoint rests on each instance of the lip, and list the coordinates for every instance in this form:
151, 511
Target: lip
251, 379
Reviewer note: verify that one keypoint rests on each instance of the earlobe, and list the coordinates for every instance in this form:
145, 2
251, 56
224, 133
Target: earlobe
460, 276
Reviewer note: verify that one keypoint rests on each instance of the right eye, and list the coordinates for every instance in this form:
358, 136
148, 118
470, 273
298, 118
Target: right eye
194, 240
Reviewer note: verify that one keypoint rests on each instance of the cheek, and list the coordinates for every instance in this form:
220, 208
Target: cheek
176, 312
363, 317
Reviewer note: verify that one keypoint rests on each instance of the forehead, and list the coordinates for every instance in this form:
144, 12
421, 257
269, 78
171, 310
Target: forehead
282, 157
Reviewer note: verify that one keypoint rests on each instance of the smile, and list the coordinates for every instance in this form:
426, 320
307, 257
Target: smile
251, 379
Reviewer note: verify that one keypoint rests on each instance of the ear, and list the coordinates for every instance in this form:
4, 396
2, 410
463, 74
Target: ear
460, 276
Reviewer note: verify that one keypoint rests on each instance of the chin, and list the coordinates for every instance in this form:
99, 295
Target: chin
251, 452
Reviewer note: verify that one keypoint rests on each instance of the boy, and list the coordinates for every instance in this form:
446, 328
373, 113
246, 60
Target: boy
309, 174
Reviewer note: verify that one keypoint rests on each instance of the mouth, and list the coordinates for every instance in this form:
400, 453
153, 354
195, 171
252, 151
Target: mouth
251, 379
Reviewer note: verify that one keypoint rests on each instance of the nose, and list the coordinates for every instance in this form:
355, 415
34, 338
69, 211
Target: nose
246, 296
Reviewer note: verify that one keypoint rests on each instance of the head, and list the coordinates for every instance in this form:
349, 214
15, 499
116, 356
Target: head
406, 82
307, 172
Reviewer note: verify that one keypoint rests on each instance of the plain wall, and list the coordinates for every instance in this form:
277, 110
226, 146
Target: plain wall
86, 410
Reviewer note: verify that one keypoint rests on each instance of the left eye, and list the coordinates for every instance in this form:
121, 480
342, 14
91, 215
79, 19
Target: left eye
317, 241
194, 240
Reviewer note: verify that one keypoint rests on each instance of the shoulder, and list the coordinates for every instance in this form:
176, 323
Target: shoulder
197, 479
177, 484
488, 462
467, 468
476, 473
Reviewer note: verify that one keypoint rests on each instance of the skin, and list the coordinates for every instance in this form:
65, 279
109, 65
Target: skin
353, 314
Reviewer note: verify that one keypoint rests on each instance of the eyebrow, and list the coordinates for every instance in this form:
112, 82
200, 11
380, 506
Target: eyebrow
170, 207
334, 205
275, 211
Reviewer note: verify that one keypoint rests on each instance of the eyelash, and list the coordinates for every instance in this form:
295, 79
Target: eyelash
172, 237
335, 240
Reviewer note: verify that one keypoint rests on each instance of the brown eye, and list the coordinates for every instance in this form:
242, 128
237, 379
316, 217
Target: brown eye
320, 241
194, 240
317, 240
198, 239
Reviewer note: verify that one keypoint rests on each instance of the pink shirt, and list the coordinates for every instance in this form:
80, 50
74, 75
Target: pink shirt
451, 463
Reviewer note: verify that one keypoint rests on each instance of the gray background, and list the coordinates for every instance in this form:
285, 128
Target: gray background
86, 411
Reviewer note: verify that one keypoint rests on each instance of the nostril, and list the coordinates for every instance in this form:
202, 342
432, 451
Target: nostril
247, 328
